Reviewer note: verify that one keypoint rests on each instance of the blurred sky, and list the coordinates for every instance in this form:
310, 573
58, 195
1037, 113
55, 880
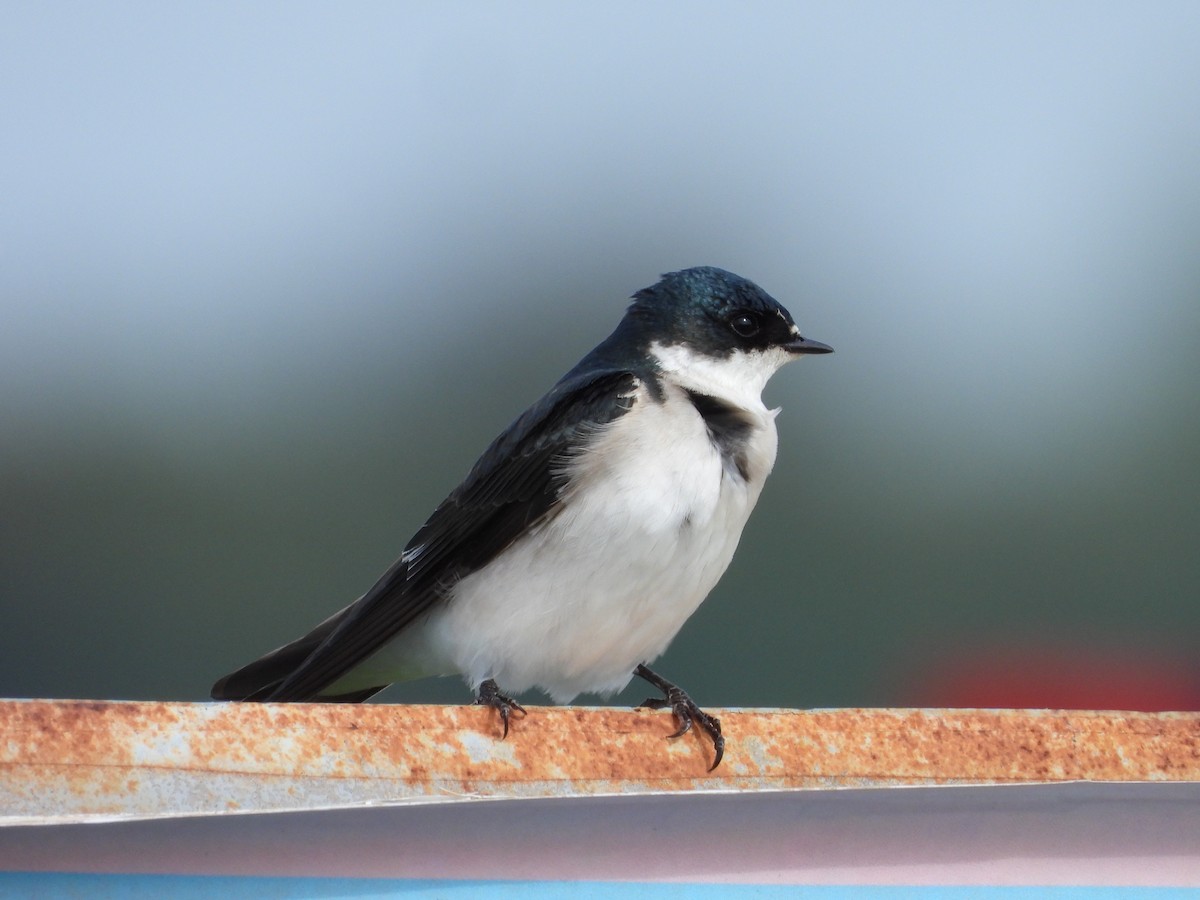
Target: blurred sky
272, 275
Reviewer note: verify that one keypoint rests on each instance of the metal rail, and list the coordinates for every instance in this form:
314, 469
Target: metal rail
72, 761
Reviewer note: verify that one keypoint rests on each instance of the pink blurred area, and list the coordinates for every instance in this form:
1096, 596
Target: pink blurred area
1023, 676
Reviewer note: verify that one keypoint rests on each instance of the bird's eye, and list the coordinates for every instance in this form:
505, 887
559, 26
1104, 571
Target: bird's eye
744, 325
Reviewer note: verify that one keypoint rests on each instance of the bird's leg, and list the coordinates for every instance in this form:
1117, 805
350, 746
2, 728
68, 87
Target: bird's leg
685, 710
489, 695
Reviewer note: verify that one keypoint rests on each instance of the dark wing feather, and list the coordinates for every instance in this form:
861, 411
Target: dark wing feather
516, 482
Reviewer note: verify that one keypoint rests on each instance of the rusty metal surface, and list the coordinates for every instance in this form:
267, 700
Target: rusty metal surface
66, 761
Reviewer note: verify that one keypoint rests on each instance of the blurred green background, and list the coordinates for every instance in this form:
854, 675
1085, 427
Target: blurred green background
273, 276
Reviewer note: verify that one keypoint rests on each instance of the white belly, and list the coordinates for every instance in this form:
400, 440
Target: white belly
605, 584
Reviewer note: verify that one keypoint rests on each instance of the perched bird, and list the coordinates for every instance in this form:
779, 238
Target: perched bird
587, 533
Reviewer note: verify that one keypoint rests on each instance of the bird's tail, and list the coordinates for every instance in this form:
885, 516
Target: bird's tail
257, 681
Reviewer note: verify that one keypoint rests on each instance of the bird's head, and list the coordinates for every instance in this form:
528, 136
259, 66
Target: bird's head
716, 331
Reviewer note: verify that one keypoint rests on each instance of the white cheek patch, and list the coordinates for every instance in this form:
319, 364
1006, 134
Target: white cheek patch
738, 378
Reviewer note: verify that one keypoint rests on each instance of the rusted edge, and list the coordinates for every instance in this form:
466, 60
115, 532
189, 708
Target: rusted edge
67, 760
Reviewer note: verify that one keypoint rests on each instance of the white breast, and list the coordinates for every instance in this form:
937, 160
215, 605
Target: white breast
648, 527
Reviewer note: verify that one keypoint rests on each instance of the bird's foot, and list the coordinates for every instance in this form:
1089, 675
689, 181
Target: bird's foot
684, 709
489, 695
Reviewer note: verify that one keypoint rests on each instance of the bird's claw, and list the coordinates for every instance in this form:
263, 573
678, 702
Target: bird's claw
685, 710
490, 695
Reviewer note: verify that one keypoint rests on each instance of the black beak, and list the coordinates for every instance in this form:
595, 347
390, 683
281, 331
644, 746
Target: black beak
804, 345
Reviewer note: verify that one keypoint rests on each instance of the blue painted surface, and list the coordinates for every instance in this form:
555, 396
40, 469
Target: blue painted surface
40, 885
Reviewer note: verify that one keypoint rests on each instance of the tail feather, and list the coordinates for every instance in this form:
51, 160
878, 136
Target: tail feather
257, 681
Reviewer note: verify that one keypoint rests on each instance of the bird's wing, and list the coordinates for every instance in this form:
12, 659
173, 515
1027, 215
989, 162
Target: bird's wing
516, 482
